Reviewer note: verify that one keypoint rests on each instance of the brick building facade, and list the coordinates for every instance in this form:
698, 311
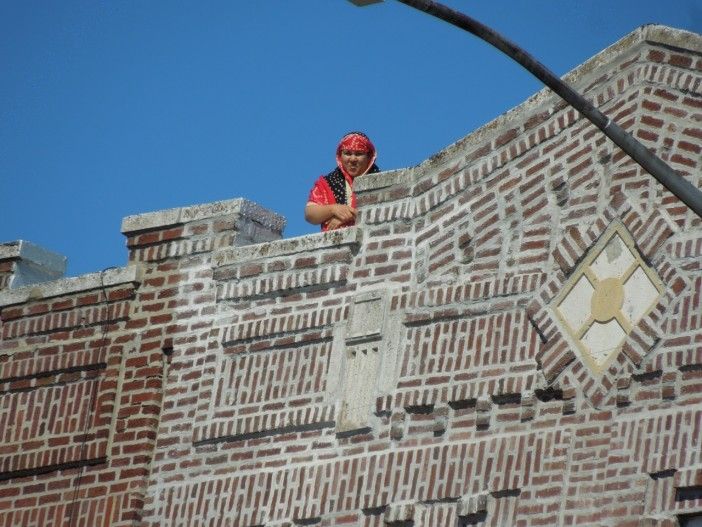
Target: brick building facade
511, 335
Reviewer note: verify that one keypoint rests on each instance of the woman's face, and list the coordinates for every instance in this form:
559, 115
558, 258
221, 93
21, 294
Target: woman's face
354, 162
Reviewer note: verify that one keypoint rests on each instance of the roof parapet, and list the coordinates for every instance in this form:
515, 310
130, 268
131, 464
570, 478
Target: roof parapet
23, 263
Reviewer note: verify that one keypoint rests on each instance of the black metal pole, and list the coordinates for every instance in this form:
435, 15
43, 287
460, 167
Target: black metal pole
669, 178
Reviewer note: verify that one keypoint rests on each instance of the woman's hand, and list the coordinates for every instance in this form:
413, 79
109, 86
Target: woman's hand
333, 216
343, 213
334, 224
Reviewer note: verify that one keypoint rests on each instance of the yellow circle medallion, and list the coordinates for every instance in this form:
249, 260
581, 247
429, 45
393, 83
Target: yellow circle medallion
607, 300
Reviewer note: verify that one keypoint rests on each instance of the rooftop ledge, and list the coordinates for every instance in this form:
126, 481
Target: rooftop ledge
309, 242
380, 180
181, 215
64, 286
652, 34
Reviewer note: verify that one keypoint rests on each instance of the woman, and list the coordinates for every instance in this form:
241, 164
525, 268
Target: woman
332, 202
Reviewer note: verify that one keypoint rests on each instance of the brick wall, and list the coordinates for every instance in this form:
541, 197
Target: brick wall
85, 360
511, 335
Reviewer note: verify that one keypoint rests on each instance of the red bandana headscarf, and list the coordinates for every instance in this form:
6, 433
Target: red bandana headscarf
355, 141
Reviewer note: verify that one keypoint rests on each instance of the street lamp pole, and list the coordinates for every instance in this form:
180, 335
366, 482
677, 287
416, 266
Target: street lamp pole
669, 178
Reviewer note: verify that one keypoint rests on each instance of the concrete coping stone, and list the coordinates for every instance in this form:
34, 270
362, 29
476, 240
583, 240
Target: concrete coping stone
65, 286
670, 36
383, 179
309, 242
181, 215
22, 249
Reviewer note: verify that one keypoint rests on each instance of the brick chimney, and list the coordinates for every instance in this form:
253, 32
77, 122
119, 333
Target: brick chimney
171, 233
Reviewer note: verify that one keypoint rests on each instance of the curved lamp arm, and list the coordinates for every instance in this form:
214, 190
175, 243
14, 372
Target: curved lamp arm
654, 165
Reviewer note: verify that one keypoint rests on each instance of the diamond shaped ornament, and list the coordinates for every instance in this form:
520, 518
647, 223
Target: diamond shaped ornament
606, 296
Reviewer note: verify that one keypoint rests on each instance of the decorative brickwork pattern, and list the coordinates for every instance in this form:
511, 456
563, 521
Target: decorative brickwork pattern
413, 370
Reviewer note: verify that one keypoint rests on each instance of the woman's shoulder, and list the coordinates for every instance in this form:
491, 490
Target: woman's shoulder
322, 180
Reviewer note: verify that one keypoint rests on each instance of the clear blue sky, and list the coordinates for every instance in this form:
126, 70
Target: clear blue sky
113, 108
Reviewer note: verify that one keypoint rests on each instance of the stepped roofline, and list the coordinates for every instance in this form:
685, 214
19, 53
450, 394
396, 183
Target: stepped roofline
578, 77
